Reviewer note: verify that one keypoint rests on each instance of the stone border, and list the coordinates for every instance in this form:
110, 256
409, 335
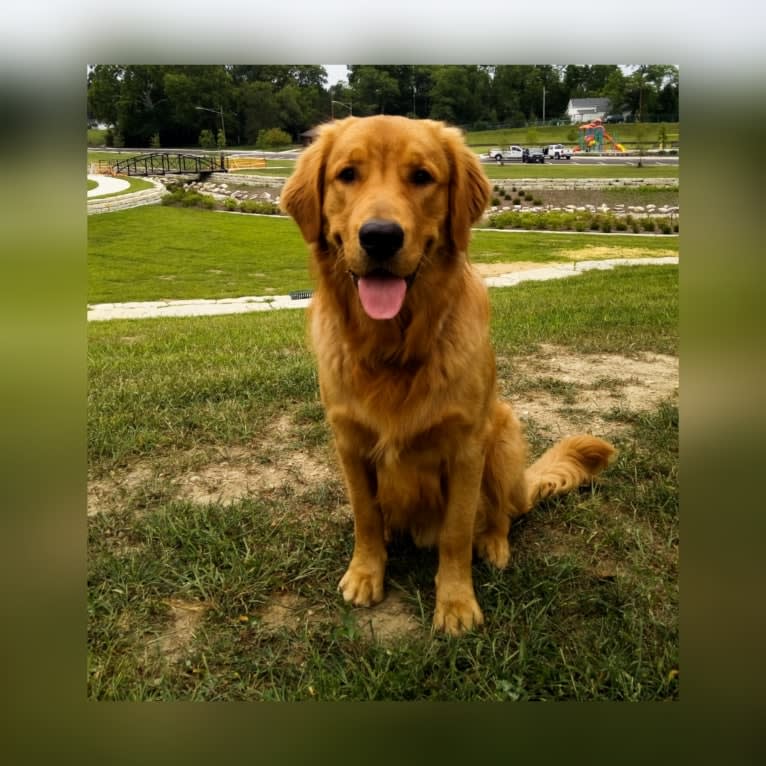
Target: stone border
153, 196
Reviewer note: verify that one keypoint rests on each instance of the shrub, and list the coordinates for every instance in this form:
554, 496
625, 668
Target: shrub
621, 226
606, 225
665, 228
506, 196
220, 139
495, 201
154, 141
636, 228
648, 224
268, 139
206, 139
517, 200
230, 204
536, 201
258, 206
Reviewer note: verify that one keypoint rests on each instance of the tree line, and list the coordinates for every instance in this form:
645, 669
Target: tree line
172, 105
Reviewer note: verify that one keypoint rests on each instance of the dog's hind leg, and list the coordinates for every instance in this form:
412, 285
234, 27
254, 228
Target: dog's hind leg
504, 492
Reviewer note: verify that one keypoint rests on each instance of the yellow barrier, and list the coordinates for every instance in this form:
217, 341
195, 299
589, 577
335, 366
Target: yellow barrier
245, 163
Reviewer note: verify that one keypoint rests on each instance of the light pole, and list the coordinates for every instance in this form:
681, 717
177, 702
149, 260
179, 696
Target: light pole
218, 111
348, 106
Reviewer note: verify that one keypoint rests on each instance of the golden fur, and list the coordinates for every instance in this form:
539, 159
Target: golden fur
424, 443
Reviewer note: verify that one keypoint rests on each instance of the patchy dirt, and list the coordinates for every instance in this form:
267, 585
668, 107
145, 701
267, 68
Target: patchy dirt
599, 252
389, 621
241, 474
496, 269
603, 382
185, 617
288, 610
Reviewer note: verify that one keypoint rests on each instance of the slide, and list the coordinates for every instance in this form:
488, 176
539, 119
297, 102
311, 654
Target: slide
619, 147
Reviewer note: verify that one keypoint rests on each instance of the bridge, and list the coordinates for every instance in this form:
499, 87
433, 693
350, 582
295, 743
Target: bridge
169, 163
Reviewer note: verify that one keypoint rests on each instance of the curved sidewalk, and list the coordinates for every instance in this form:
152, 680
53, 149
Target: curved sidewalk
211, 307
106, 185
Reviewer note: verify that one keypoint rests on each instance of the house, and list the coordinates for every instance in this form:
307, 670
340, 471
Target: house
308, 136
587, 109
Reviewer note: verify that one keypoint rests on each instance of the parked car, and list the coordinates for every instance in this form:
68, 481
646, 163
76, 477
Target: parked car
614, 118
533, 155
557, 152
507, 154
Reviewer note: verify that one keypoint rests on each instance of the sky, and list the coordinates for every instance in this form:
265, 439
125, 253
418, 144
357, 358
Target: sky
335, 72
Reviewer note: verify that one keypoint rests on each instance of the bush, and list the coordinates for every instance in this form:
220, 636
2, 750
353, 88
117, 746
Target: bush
665, 228
517, 200
621, 226
257, 206
206, 139
648, 224
537, 202
154, 141
272, 137
495, 201
230, 204
521, 192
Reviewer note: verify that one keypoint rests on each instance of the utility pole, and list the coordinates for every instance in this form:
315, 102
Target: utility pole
543, 104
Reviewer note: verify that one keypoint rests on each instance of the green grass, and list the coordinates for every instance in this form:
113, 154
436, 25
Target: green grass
279, 168
161, 253
158, 253
91, 184
588, 609
621, 133
519, 170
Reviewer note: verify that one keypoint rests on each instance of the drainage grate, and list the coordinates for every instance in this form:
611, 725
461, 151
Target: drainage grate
300, 295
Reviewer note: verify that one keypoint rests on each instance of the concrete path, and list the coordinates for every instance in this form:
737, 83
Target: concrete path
106, 185
187, 308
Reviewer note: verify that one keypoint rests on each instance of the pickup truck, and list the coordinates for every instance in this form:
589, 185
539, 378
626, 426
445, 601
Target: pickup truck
557, 152
507, 154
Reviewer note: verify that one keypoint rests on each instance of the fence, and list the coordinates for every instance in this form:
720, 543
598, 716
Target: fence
245, 163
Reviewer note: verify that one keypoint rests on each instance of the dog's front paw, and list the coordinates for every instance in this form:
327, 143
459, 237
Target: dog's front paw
457, 615
362, 584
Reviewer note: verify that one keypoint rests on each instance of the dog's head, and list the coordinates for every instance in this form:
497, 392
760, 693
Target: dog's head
389, 196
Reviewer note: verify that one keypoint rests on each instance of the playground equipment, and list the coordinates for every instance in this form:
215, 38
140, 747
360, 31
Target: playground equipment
592, 135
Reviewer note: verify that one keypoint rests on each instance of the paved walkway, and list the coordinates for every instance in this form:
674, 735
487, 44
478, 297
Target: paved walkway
106, 185
187, 308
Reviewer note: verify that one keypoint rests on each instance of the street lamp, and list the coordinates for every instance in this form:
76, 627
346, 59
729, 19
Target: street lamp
348, 106
218, 111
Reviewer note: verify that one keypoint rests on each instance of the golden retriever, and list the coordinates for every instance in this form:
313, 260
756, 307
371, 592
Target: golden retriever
400, 326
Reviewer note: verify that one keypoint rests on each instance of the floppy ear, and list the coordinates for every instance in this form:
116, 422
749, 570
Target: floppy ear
302, 194
469, 190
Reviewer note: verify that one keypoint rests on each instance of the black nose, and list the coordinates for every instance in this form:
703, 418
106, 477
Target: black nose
381, 239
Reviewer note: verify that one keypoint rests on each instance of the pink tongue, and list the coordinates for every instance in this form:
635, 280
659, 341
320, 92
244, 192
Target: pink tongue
382, 297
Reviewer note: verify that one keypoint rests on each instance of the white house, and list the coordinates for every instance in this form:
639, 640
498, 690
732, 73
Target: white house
587, 109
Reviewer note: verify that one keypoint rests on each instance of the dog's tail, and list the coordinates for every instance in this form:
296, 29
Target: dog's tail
566, 465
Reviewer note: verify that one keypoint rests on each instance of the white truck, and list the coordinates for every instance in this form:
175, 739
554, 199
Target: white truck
557, 152
507, 154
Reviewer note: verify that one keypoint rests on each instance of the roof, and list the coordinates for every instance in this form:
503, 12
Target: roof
600, 104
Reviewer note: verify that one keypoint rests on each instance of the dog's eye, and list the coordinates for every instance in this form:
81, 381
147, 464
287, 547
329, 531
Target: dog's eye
421, 177
347, 175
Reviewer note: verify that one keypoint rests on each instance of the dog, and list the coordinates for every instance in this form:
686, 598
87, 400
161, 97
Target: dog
399, 323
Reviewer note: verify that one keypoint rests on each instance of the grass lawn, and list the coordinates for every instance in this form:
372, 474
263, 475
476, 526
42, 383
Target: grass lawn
560, 134
91, 184
219, 527
163, 253
519, 170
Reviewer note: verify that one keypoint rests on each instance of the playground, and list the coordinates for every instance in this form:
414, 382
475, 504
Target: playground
592, 137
